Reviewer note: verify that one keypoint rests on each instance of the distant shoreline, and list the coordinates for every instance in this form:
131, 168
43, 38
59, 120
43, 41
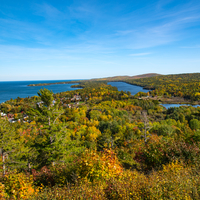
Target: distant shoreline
173, 100
56, 83
107, 79
14, 89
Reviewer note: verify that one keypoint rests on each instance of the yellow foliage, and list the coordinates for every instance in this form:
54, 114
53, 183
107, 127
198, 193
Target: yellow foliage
93, 133
2, 191
97, 165
175, 180
33, 123
197, 94
104, 118
19, 186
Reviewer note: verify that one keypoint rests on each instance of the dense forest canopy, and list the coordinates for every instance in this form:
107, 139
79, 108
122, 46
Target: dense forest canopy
181, 85
101, 143
186, 86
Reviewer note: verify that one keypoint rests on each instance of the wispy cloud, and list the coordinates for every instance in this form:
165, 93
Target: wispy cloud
124, 32
33, 54
191, 47
162, 32
179, 10
70, 52
162, 3
83, 22
24, 31
156, 27
140, 54
48, 11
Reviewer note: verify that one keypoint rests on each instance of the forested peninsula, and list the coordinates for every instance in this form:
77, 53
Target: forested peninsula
101, 143
178, 88
82, 83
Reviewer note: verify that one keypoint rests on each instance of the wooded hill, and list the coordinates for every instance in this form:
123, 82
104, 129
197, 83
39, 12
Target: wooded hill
178, 85
121, 78
83, 83
98, 143
186, 86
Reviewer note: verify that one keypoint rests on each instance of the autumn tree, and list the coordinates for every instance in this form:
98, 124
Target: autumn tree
13, 149
146, 125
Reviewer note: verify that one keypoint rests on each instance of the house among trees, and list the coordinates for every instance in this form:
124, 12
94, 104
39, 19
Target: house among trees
69, 105
54, 102
3, 114
76, 98
39, 103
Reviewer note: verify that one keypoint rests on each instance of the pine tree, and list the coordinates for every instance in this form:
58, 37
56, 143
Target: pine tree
47, 113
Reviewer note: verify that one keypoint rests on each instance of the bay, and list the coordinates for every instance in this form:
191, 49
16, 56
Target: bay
14, 89
133, 89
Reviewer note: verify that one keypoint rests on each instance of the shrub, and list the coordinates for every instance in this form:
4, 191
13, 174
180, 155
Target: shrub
98, 165
19, 186
43, 177
175, 181
2, 191
159, 151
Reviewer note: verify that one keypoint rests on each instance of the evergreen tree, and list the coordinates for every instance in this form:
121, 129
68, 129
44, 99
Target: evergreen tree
47, 113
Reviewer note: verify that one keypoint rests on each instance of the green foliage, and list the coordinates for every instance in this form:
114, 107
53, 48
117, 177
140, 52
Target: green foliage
180, 85
62, 143
160, 151
13, 147
194, 124
46, 96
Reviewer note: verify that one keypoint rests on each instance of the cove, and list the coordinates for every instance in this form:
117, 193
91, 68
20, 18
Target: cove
133, 89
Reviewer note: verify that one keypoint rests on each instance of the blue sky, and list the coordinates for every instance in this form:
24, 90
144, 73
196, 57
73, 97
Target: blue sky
81, 39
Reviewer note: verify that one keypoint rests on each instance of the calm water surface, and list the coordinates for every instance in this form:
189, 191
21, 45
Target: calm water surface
135, 89
14, 89
178, 105
128, 87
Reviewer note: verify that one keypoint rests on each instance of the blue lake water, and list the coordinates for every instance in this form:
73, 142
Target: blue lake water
14, 89
133, 89
178, 105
